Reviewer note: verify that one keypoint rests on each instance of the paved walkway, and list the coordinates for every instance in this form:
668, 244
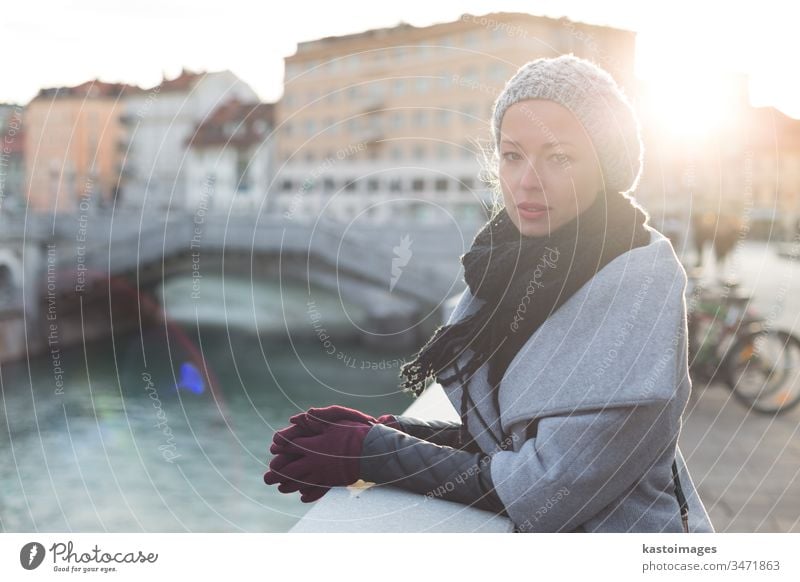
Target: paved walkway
745, 465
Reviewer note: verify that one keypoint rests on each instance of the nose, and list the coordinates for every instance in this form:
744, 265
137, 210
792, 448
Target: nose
531, 176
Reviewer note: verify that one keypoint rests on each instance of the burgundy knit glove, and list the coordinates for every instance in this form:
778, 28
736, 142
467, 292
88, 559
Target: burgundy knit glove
329, 458
334, 414
308, 492
309, 423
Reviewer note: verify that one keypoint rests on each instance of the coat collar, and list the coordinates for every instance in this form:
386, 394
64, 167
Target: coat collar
620, 339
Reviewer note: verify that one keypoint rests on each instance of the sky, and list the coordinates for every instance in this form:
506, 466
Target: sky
681, 45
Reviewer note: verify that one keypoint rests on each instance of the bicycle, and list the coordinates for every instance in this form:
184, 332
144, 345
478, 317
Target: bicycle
731, 342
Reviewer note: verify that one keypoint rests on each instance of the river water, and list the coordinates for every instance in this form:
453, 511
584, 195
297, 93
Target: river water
169, 431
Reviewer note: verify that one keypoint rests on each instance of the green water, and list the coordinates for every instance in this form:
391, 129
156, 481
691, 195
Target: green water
119, 448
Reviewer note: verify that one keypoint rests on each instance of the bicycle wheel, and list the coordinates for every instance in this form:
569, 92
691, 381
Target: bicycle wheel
763, 370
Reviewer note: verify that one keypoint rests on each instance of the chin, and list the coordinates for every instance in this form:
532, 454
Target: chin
533, 229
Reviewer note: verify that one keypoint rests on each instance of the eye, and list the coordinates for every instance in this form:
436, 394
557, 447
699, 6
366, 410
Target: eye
561, 158
512, 156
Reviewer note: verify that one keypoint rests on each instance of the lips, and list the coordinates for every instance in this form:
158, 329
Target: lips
532, 206
532, 211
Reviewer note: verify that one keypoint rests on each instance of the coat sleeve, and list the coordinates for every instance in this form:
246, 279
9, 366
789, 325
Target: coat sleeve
441, 432
392, 457
579, 463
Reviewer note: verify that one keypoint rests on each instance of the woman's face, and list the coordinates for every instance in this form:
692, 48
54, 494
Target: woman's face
548, 171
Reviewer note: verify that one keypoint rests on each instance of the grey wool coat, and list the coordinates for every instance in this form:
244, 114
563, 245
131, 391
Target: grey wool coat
591, 405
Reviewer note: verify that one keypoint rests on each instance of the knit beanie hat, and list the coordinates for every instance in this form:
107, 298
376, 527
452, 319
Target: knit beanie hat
596, 100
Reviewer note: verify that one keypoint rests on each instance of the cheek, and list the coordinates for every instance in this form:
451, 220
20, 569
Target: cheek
577, 181
508, 177
509, 182
588, 177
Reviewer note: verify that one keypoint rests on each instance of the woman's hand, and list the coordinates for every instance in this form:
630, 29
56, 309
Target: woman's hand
313, 422
327, 457
313, 417
308, 492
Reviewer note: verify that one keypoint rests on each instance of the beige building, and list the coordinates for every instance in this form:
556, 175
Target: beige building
384, 123
71, 145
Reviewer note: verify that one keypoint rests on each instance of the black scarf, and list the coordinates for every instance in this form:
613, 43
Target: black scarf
523, 281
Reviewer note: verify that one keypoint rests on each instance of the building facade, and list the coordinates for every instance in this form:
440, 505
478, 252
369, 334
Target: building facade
394, 122
70, 146
157, 124
230, 158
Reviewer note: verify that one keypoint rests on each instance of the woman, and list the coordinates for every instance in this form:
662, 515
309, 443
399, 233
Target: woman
566, 355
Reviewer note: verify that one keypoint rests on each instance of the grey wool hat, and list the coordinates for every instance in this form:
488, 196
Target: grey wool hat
591, 93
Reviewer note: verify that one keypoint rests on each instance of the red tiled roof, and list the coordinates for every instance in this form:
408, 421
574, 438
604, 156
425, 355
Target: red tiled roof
182, 82
91, 89
234, 124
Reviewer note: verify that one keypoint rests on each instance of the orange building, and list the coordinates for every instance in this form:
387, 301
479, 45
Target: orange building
71, 145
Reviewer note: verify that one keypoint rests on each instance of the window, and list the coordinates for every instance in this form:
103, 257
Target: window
397, 119
440, 184
377, 90
469, 113
420, 118
350, 185
465, 184
466, 151
443, 116
242, 173
470, 74
373, 185
311, 127
399, 86
395, 184
422, 84
419, 152
497, 72
417, 184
